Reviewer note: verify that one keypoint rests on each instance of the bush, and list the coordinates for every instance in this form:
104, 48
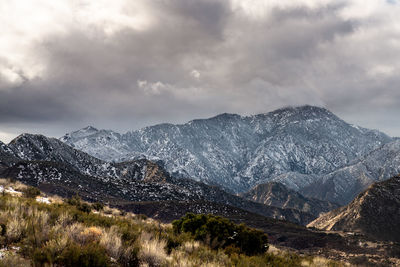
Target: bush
74, 201
92, 255
130, 256
31, 192
13, 260
84, 207
142, 217
172, 242
218, 232
98, 206
77, 202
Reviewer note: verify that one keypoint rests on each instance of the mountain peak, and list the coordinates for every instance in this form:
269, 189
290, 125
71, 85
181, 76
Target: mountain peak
81, 133
238, 152
89, 129
26, 136
306, 110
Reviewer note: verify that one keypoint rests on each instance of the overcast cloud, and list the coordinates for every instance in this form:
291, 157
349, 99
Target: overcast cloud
126, 64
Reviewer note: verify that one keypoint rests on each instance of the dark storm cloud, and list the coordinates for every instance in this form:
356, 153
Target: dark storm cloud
199, 58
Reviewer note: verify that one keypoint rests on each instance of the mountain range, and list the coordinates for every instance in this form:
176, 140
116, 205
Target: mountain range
58, 168
308, 149
299, 165
343, 185
292, 163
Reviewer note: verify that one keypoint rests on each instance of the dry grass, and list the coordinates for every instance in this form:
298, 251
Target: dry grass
16, 229
11, 259
73, 232
152, 251
321, 262
57, 245
17, 186
194, 254
90, 234
111, 241
126, 239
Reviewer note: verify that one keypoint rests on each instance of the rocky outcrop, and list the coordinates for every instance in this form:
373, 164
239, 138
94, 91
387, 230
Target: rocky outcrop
374, 212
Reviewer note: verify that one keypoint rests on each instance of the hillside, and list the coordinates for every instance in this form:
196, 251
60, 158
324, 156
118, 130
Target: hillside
276, 194
375, 213
344, 184
239, 152
58, 168
42, 230
7, 156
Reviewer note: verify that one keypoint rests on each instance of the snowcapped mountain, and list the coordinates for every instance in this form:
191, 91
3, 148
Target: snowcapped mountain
342, 185
58, 168
6, 156
294, 146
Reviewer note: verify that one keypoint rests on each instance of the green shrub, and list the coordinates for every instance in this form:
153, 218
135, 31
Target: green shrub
3, 229
41, 257
173, 241
14, 260
77, 202
31, 192
85, 207
74, 201
142, 217
130, 257
218, 232
90, 255
98, 206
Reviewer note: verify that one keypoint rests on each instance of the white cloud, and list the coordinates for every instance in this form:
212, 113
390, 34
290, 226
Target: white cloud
195, 74
6, 137
10, 76
153, 88
194, 57
26, 25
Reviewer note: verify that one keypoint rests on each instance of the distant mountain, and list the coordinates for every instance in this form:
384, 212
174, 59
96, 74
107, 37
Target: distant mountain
276, 194
375, 213
239, 152
58, 168
344, 184
7, 156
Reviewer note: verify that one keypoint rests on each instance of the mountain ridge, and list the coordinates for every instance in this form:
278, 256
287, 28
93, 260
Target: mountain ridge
344, 184
239, 152
58, 168
276, 194
374, 212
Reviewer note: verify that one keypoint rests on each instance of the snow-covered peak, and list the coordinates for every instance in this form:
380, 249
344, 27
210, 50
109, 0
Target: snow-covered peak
84, 132
238, 152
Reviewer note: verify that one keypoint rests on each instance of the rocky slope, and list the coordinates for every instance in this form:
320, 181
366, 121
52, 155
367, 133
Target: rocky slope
7, 156
239, 152
344, 184
375, 213
276, 194
58, 168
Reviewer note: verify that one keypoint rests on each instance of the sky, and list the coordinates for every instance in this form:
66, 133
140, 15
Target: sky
124, 64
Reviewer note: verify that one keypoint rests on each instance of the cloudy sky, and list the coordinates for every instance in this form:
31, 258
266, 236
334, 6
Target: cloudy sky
125, 64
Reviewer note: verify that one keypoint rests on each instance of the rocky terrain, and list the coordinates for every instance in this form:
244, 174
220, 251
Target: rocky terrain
6, 155
375, 213
81, 222
276, 194
293, 145
58, 168
344, 184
